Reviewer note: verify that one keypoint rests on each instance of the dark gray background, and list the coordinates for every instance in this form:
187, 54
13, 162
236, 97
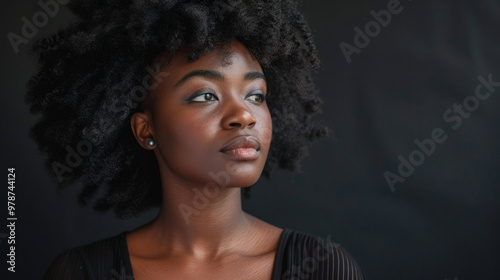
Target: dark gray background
440, 223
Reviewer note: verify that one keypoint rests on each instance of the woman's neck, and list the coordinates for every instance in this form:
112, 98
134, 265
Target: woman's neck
201, 221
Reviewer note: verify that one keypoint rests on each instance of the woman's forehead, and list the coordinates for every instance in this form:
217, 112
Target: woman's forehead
222, 56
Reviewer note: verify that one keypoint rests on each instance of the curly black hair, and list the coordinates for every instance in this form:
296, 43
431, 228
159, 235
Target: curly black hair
90, 81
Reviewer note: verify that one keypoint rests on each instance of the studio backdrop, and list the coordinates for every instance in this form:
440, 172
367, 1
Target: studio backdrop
408, 183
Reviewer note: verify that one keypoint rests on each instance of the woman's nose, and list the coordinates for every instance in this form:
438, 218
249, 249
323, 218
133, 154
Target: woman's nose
237, 115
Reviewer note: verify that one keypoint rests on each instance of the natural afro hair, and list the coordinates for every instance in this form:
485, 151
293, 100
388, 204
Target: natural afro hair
90, 80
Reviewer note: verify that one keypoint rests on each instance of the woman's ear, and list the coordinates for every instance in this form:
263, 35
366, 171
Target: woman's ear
142, 128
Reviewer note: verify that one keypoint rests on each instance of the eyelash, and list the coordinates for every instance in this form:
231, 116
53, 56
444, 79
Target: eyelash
209, 93
201, 93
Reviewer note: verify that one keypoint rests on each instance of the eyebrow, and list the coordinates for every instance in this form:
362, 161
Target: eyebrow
216, 75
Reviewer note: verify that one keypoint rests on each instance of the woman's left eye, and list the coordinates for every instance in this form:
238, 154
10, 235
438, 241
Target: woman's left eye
256, 97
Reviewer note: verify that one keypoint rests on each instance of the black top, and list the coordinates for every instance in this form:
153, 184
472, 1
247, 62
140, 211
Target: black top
299, 256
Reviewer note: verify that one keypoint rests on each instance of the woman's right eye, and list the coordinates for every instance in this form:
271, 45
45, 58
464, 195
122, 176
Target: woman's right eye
203, 97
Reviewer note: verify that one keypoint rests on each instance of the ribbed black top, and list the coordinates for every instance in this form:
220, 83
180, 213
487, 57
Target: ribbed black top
299, 256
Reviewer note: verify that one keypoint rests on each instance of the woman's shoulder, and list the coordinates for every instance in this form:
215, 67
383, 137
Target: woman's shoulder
103, 259
305, 256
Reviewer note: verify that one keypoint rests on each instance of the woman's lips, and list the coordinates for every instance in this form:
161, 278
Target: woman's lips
242, 148
242, 153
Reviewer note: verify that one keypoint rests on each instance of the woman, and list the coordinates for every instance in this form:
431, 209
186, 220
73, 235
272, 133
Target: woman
174, 104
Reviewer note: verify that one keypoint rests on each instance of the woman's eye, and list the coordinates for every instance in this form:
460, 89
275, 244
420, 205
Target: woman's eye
256, 97
203, 97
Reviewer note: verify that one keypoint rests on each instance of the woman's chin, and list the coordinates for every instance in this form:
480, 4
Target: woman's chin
242, 182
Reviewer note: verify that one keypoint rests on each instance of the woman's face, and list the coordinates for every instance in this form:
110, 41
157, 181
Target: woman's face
209, 119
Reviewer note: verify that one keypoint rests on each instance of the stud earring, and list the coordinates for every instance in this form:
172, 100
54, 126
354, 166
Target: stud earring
151, 143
